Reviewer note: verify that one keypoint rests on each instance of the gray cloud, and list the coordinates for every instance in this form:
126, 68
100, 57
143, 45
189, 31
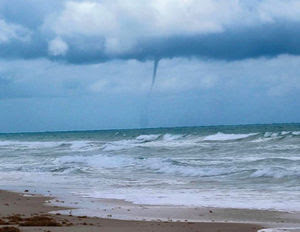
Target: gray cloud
96, 31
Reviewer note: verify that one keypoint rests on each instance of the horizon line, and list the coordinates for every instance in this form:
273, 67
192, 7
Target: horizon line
146, 128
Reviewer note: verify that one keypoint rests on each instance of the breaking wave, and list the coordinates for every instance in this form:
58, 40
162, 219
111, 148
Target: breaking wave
276, 172
194, 163
224, 137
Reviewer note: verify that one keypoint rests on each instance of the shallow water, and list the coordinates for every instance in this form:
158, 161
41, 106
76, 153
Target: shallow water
255, 166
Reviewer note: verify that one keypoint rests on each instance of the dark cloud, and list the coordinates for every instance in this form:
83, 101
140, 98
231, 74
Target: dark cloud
268, 40
279, 36
30, 13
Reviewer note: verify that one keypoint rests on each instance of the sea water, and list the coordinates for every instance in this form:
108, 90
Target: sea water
252, 166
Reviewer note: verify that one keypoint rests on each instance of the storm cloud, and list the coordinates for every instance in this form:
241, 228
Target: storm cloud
96, 31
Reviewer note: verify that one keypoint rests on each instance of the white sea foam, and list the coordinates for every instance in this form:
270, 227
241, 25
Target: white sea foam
269, 136
29, 145
166, 167
179, 140
285, 132
162, 167
167, 140
130, 143
281, 229
147, 138
224, 137
74, 145
96, 161
119, 145
261, 140
275, 172
274, 134
83, 146
202, 198
172, 137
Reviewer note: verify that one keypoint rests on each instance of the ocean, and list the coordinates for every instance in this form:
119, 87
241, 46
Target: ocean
250, 166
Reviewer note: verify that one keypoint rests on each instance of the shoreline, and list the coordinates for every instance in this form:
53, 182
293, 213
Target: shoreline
125, 210
29, 212
115, 215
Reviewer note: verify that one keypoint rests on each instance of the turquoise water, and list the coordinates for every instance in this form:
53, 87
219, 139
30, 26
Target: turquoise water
252, 166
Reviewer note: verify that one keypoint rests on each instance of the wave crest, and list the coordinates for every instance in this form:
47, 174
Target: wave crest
224, 137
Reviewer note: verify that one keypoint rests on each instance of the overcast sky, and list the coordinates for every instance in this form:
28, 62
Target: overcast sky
76, 65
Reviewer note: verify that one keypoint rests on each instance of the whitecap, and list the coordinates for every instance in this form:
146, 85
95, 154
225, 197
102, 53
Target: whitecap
224, 137
274, 172
147, 138
96, 161
171, 137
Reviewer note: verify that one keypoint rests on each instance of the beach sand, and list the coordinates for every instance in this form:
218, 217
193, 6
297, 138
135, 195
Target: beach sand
22, 212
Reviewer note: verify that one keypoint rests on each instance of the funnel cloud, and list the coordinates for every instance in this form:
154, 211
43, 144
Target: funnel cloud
155, 67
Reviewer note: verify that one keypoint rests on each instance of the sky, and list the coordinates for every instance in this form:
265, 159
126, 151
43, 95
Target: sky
88, 64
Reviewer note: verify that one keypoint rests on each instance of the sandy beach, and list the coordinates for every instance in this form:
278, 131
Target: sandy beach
29, 212
22, 212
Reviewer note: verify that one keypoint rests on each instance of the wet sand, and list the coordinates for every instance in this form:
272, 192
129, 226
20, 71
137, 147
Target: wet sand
22, 212
124, 210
